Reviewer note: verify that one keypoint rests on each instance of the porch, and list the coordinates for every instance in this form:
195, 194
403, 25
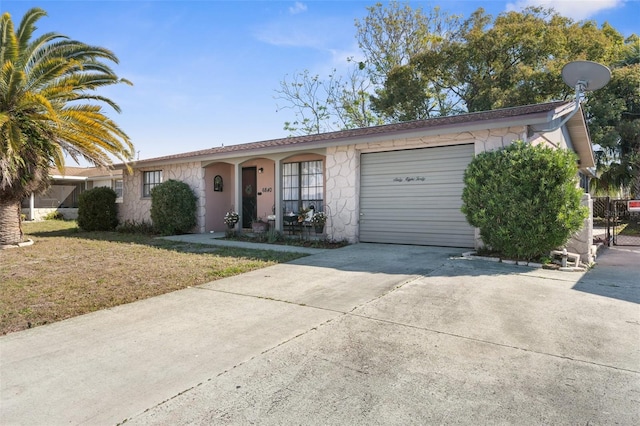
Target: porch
266, 193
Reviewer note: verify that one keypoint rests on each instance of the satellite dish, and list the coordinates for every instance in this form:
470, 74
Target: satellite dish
585, 75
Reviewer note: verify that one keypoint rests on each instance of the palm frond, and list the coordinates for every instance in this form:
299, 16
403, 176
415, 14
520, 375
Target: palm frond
49, 104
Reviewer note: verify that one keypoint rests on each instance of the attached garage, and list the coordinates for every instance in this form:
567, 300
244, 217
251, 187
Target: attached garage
414, 196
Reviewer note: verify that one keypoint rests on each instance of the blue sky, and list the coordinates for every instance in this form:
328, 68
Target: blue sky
204, 72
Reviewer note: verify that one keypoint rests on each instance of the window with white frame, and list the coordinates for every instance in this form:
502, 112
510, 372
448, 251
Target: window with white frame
150, 180
117, 187
302, 186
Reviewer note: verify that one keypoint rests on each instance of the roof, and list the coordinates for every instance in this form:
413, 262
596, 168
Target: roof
486, 119
84, 172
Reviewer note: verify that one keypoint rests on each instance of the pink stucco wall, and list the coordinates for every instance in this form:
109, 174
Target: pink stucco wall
217, 203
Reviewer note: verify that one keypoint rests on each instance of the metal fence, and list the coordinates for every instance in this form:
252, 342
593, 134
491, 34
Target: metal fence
614, 223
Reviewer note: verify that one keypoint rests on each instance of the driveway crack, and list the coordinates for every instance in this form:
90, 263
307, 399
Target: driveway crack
488, 342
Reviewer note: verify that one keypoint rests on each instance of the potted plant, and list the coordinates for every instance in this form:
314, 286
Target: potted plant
303, 214
231, 218
259, 226
318, 221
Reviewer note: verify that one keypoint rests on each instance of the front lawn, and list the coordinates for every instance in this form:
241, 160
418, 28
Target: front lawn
68, 272
631, 228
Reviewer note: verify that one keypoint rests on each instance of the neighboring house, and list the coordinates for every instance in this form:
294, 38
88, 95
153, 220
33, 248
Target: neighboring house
62, 195
398, 183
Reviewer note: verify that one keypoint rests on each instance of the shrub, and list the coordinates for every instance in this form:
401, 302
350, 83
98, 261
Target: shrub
55, 215
173, 207
97, 210
133, 227
524, 199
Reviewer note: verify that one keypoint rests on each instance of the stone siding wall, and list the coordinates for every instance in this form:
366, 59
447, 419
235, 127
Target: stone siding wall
582, 241
138, 209
343, 171
40, 213
342, 192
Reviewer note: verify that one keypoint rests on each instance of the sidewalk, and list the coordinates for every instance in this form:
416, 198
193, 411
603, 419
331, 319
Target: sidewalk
215, 239
616, 274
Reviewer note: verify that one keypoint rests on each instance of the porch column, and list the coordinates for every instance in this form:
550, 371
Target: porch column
32, 207
237, 190
278, 194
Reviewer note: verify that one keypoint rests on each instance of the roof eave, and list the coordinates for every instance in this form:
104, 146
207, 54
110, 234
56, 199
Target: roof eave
579, 133
63, 177
448, 128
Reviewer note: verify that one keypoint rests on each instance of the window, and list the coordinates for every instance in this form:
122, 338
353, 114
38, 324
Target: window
149, 181
217, 183
302, 186
117, 187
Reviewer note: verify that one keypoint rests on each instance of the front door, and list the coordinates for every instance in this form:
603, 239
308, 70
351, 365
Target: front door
249, 199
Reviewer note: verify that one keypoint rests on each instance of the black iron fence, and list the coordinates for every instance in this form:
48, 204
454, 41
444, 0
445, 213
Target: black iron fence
614, 223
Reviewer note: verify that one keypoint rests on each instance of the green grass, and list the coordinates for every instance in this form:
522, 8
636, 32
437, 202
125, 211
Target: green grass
631, 228
68, 272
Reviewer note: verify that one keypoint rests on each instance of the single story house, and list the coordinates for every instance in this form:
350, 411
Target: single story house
397, 183
66, 187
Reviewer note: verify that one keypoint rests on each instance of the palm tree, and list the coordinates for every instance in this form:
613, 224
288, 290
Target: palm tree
49, 108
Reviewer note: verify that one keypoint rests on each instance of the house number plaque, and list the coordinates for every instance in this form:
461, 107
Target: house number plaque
410, 179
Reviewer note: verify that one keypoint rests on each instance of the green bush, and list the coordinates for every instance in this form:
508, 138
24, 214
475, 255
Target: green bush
524, 199
97, 210
133, 227
173, 208
55, 215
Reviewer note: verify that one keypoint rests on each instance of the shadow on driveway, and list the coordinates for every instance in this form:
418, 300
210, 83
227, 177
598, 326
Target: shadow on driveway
394, 259
616, 274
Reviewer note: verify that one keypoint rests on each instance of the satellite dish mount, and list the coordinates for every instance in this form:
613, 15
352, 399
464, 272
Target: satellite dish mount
583, 76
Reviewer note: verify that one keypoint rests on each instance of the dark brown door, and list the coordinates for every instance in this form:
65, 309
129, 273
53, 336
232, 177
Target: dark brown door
249, 198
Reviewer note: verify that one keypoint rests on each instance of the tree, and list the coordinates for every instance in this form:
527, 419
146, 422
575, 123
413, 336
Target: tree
630, 52
613, 114
388, 37
513, 60
49, 108
325, 105
307, 95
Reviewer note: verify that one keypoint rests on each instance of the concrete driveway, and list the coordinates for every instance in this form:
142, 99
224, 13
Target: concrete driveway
367, 334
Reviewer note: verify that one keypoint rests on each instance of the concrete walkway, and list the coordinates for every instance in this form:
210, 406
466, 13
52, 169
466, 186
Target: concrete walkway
367, 334
215, 239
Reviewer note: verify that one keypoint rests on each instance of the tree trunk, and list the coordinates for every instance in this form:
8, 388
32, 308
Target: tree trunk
10, 226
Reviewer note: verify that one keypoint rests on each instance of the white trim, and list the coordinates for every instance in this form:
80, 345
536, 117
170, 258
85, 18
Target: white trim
62, 177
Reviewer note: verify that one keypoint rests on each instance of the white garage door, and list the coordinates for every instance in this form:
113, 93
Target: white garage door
414, 197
